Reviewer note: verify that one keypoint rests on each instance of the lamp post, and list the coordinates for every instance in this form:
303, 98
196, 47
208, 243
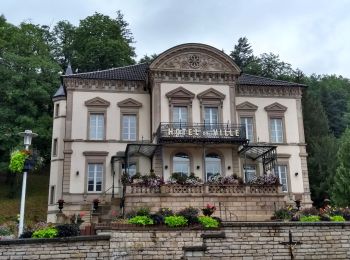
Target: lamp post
28, 135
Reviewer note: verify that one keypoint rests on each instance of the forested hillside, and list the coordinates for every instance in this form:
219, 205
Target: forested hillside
33, 56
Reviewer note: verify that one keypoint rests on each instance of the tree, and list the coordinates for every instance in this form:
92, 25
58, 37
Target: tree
148, 59
341, 187
321, 162
101, 42
29, 76
242, 53
63, 34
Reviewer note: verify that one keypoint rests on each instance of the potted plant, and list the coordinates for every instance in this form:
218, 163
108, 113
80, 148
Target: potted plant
95, 203
209, 210
60, 204
17, 161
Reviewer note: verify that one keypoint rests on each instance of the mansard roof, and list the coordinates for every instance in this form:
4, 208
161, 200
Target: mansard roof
136, 72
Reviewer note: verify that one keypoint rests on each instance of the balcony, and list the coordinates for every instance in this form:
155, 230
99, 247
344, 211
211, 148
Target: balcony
201, 133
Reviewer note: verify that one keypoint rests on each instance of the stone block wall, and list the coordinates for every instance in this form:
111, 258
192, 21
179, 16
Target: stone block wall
234, 203
235, 241
89, 247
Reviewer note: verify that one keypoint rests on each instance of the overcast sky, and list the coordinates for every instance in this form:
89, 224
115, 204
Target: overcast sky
311, 35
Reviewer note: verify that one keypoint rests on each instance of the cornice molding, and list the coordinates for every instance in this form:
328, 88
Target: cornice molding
269, 91
211, 94
275, 107
247, 106
180, 93
129, 102
97, 102
76, 84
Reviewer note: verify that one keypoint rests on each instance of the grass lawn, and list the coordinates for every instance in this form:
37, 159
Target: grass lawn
36, 198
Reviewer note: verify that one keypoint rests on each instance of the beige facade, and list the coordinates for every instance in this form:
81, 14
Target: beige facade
193, 85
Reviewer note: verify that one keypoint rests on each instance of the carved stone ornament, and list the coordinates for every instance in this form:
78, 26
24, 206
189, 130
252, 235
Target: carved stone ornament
194, 61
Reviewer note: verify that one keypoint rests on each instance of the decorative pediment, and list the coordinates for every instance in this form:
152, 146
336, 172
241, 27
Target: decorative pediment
180, 93
97, 102
246, 106
129, 103
211, 94
195, 57
276, 107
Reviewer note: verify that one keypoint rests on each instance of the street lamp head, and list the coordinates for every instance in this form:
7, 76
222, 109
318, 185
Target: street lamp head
28, 135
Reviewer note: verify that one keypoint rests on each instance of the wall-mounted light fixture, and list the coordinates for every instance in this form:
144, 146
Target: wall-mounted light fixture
198, 167
77, 173
166, 167
229, 167
296, 174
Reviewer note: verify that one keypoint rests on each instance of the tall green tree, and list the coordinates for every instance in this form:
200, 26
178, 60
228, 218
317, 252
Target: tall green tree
242, 53
29, 76
63, 34
101, 42
341, 187
321, 162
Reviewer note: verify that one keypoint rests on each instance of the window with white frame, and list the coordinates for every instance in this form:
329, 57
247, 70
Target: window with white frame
181, 163
129, 127
276, 130
130, 170
281, 172
249, 172
249, 127
180, 116
211, 117
95, 177
212, 165
96, 126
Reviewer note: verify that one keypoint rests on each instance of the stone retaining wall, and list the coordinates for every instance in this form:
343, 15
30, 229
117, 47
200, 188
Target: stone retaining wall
233, 202
235, 240
89, 247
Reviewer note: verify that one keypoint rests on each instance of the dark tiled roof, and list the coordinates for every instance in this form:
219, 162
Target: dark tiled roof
133, 72
139, 72
60, 92
247, 79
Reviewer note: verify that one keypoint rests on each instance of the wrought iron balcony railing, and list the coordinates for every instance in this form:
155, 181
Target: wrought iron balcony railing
201, 133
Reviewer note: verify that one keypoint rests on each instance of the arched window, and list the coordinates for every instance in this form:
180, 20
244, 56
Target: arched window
212, 165
181, 163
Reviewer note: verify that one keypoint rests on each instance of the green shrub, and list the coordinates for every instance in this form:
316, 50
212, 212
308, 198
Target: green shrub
190, 213
208, 222
49, 232
5, 231
141, 220
143, 212
337, 218
310, 218
283, 213
165, 212
175, 221
68, 230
